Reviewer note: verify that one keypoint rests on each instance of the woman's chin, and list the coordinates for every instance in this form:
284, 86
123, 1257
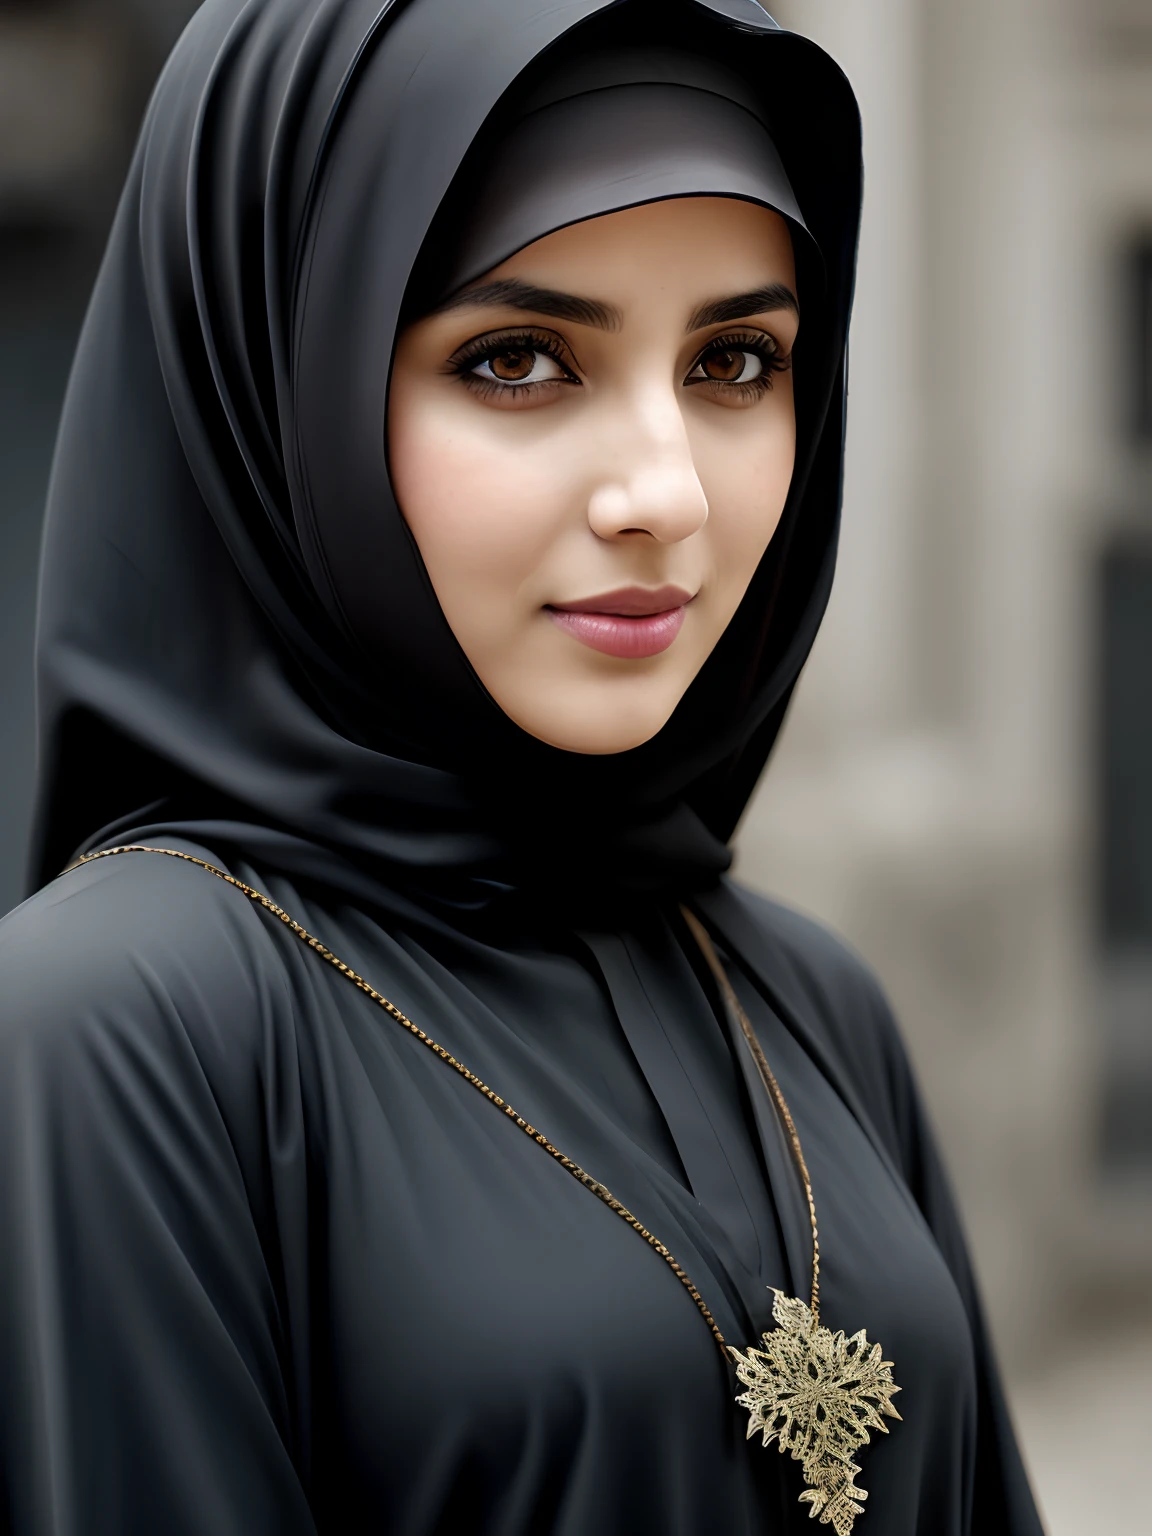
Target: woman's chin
591, 732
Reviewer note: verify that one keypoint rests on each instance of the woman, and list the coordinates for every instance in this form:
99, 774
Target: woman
440, 521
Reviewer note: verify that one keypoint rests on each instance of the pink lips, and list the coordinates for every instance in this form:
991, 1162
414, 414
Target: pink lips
631, 623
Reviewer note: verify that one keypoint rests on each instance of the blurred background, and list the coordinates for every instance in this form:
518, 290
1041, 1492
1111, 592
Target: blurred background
964, 788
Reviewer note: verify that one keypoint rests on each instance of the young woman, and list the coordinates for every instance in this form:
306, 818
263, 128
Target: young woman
404, 1123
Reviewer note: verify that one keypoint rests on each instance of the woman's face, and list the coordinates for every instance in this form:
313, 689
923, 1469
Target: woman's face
592, 446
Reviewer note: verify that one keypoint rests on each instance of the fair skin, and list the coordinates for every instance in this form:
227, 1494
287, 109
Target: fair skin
592, 446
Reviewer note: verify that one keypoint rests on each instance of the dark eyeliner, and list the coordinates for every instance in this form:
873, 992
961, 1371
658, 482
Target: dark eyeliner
492, 343
763, 345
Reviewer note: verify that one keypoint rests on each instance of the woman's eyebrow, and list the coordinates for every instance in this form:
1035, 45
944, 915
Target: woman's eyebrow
757, 302
511, 293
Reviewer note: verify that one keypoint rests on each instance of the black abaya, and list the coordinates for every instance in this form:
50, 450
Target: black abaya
277, 1268
270, 1265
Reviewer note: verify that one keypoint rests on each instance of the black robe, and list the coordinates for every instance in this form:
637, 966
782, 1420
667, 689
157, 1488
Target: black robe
273, 1267
268, 1263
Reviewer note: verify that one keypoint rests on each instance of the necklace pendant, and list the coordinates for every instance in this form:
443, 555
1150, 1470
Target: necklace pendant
818, 1394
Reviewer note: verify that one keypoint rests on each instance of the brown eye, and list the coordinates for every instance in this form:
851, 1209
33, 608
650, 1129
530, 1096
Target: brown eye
738, 368
513, 367
730, 365
725, 367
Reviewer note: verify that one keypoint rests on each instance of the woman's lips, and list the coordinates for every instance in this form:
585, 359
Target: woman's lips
632, 623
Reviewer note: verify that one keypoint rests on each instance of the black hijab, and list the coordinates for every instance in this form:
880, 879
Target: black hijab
235, 622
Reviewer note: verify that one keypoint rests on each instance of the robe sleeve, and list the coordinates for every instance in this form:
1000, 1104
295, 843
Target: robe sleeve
143, 1388
1002, 1500
822, 982
868, 1039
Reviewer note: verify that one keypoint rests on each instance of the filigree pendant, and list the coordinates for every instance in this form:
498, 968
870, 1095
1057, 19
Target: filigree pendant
817, 1394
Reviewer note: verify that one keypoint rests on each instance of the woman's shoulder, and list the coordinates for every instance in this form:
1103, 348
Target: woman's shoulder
821, 980
817, 961
123, 950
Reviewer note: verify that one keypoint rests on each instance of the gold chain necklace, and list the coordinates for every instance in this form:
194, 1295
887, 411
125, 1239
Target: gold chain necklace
818, 1394
815, 1392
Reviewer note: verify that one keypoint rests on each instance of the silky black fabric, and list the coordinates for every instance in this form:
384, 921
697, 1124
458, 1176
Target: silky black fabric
270, 1265
605, 149
273, 1268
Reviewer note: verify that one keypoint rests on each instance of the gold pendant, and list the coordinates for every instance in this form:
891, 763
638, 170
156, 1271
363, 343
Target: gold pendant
817, 1393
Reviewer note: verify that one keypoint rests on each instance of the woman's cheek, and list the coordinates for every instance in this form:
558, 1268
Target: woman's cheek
479, 509
745, 504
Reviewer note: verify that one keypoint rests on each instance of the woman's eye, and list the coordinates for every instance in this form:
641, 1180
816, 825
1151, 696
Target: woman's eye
518, 365
729, 365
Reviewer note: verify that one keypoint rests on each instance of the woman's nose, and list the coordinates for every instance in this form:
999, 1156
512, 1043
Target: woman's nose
659, 493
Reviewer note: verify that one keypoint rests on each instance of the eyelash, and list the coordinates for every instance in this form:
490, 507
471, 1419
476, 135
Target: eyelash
483, 348
761, 345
